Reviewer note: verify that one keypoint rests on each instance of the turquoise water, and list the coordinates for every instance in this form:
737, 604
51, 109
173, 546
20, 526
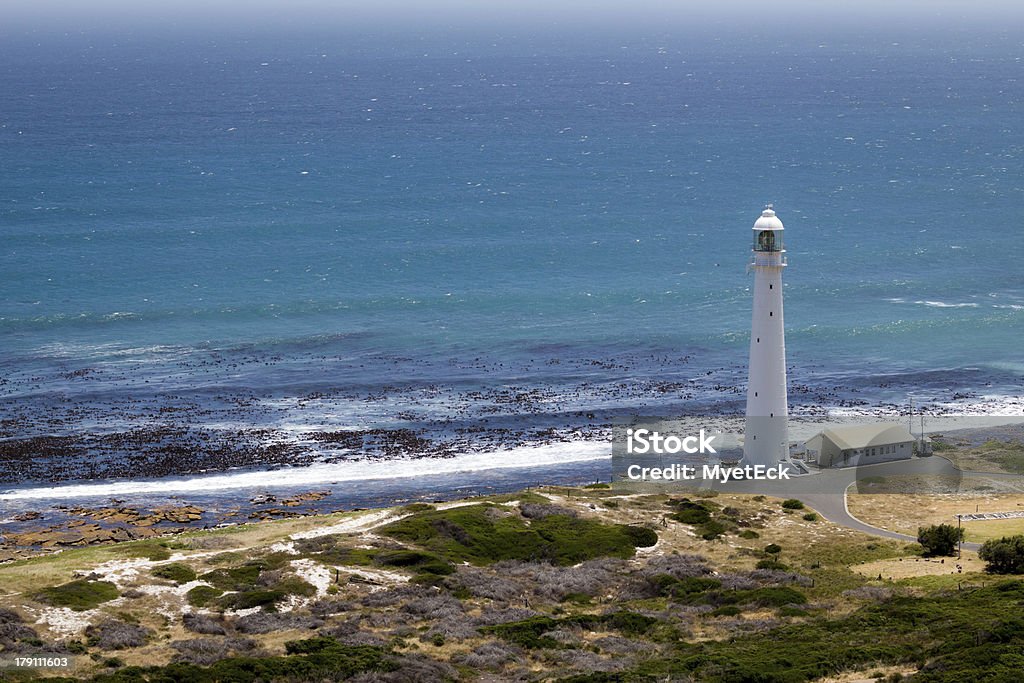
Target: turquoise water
190, 220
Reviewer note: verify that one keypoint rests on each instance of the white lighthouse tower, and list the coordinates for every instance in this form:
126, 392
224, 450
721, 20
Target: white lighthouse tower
766, 439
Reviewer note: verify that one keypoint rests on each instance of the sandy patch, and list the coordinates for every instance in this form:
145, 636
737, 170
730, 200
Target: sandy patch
363, 522
381, 576
314, 573
459, 504
284, 547
64, 621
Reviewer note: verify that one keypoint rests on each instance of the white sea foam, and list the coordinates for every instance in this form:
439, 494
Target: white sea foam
943, 304
323, 473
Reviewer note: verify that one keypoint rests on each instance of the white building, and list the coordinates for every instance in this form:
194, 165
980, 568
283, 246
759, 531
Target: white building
766, 439
860, 445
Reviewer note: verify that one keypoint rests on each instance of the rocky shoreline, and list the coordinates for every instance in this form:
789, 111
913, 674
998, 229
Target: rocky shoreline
80, 526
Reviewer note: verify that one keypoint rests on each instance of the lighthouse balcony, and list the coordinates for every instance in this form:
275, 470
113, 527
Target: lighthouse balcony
768, 258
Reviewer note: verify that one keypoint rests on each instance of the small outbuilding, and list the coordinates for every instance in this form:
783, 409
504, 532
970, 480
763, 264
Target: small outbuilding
860, 445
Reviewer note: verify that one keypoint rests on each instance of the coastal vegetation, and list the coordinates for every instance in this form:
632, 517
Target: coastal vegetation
544, 585
1004, 555
939, 539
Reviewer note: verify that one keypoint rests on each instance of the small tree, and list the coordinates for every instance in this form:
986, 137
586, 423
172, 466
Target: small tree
939, 539
1004, 555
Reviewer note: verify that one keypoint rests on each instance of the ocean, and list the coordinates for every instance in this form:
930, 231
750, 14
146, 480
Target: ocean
230, 253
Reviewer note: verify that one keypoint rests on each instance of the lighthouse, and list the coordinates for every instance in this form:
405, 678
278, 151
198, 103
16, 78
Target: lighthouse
766, 440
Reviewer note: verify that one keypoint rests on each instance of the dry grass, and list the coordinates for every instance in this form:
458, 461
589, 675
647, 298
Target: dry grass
912, 567
904, 513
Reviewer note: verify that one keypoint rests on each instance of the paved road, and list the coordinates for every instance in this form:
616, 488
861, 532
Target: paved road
826, 490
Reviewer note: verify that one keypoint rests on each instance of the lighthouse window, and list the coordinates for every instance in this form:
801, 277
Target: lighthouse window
770, 314
771, 286
771, 414
755, 394
758, 340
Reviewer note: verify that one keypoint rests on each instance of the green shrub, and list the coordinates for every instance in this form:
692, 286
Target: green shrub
597, 485
293, 585
629, 623
749, 534
234, 578
200, 596
425, 563
939, 539
690, 512
577, 599
772, 564
773, 549
79, 595
529, 633
685, 588
176, 572
1004, 555
641, 537
711, 530
253, 598
310, 645
811, 517
792, 504
481, 534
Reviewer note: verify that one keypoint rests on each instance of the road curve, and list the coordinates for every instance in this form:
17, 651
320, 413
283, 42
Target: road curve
826, 490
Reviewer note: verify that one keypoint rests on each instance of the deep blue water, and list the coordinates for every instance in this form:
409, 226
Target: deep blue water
185, 220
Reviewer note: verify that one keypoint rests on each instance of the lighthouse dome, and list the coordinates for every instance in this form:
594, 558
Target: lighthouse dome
768, 220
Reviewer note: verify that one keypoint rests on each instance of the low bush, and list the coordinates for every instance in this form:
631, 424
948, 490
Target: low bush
491, 655
78, 595
711, 530
1004, 555
690, 512
773, 565
266, 598
176, 572
536, 632
117, 635
667, 585
207, 651
203, 624
237, 578
472, 534
200, 596
792, 504
268, 622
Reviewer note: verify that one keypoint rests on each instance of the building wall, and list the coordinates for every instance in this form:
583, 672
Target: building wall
832, 456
